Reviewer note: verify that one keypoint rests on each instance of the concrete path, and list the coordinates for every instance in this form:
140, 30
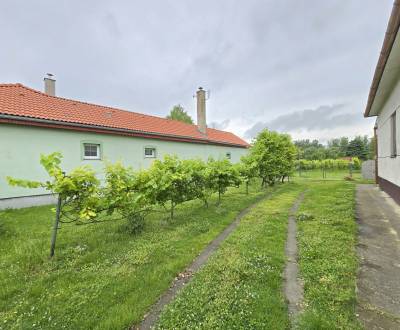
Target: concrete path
378, 283
293, 286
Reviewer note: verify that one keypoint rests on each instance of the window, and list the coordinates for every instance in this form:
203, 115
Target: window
150, 152
91, 151
393, 135
228, 155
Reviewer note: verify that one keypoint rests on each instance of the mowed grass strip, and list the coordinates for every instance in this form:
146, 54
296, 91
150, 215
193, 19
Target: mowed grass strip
241, 285
101, 277
327, 256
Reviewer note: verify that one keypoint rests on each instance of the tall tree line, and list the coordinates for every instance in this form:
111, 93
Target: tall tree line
362, 147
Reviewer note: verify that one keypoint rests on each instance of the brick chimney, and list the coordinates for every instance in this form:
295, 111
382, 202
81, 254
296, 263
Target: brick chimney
50, 85
201, 110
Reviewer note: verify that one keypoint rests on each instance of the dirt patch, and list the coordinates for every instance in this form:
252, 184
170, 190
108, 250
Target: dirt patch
293, 286
378, 289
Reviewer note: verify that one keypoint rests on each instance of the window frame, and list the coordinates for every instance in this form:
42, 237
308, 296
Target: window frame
99, 150
153, 155
393, 135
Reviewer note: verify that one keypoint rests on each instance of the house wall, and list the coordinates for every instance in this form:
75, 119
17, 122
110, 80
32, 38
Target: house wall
21, 146
389, 167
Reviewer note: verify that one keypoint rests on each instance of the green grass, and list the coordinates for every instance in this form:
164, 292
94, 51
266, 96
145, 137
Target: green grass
328, 262
241, 285
101, 277
316, 175
104, 278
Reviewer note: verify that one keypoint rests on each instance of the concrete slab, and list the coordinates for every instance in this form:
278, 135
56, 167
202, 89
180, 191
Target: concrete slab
378, 283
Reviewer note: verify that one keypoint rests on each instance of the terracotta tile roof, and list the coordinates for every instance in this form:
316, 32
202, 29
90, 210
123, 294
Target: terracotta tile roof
29, 104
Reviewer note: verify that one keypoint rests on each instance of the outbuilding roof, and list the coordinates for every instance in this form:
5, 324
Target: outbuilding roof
22, 105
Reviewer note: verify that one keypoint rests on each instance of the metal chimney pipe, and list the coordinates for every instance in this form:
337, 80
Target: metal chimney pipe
50, 85
201, 110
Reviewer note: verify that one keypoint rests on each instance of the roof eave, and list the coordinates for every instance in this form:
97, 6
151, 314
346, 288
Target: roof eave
390, 36
120, 130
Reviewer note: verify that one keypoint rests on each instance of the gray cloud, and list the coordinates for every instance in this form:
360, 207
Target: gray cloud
322, 118
220, 125
148, 55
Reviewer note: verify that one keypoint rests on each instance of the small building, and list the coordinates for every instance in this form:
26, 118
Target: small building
384, 103
34, 123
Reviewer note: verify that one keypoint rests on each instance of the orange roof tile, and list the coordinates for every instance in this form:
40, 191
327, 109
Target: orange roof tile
29, 104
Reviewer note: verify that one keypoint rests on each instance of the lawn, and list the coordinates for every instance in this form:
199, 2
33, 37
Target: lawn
241, 286
328, 264
101, 277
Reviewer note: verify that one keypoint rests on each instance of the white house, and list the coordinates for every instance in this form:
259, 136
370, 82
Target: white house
384, 103
34, 123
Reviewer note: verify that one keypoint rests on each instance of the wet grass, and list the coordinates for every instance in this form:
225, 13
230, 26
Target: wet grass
241, 285
101, 277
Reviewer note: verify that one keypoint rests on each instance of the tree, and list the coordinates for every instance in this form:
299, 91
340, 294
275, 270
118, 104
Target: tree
179, 113
274, 155
372, 148
358, 147
288, 156
247, 169
343, 146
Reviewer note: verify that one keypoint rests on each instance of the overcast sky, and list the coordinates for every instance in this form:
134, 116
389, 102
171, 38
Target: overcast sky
300, 66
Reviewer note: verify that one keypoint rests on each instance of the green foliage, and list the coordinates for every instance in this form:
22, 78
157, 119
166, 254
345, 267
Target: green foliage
247, 169
179, 113
361, 147
170, 181
328, 164
102, 277
273, 156
135, 222
121, 192
221, 174
78, 190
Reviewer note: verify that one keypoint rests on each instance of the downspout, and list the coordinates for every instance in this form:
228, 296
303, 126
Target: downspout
376, 152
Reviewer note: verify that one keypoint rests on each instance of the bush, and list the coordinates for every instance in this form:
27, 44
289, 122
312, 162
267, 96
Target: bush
135, 222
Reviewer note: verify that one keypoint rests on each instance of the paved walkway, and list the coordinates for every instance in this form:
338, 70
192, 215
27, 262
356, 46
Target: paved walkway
378, 284
293, 286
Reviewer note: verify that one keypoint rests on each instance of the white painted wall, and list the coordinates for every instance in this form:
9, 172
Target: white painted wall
388, 167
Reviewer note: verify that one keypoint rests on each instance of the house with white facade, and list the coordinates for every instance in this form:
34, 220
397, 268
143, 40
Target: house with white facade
384, 103
34, 123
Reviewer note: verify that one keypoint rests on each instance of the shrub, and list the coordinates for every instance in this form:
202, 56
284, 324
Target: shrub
135, 222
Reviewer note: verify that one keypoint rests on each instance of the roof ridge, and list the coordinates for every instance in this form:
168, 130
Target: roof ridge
188, 130
98, 105
109, 107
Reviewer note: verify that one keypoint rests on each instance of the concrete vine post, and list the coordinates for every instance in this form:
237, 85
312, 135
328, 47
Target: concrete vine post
55, 227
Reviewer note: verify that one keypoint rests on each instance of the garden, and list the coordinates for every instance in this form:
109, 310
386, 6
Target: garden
118, 243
